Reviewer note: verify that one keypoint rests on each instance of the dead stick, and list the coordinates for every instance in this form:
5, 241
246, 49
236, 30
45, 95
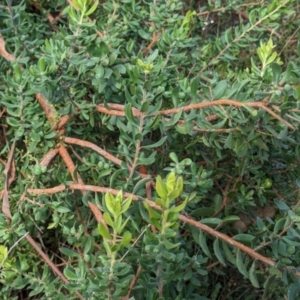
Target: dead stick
49, 262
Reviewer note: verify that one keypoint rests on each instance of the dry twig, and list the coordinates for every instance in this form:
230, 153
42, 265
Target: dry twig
183, 218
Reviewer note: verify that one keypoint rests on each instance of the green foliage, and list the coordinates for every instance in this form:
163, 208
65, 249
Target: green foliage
202, 95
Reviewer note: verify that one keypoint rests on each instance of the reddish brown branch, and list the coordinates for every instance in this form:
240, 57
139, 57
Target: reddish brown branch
228, 240
155, 38
71, 167
49, 110
52, 116
187, 220
46, 160
49, 262
63, 121
69, 163
133, 282
225, 102
99, 150
94, 147
97, 213
189, 107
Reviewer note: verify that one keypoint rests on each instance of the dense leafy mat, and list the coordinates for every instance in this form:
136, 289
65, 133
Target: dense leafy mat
149, 149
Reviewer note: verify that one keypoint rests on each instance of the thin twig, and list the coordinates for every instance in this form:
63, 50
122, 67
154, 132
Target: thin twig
201, 105
49, 262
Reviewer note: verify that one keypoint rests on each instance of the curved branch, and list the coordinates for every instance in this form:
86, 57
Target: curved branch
99, 150
187, 220
118, 110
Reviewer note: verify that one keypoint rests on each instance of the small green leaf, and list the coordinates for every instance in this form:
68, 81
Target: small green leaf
170, 182
271, 280
12, 122
42, 64
152, 57
179, 181
3, 253
293, 291
156, 223
276, 71
110, 203
160, 202
203, 244
173, 157
252, 275
102, 83
99, 72
174, 119
157, 144
169, 245
228, 253
92, 9
50, 135
69, 273
174, 194
125, 205
107, 247
107, 219
211, 221
77, 4
144, 35
173, 216
244, 238
220, 89
218, 252
229, 143
88, 245
281, 205
140, 185
104, 48
126, 239
230, 219
17, 72
68, 252
160, 187
186, 129
180, 207
128, 113
62, 209
104, 232
153, 213
107, 73
145, 107
194, 87
120, 229
240, 264
271, 58
280, 224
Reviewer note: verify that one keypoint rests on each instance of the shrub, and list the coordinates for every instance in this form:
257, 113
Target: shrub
149, 150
